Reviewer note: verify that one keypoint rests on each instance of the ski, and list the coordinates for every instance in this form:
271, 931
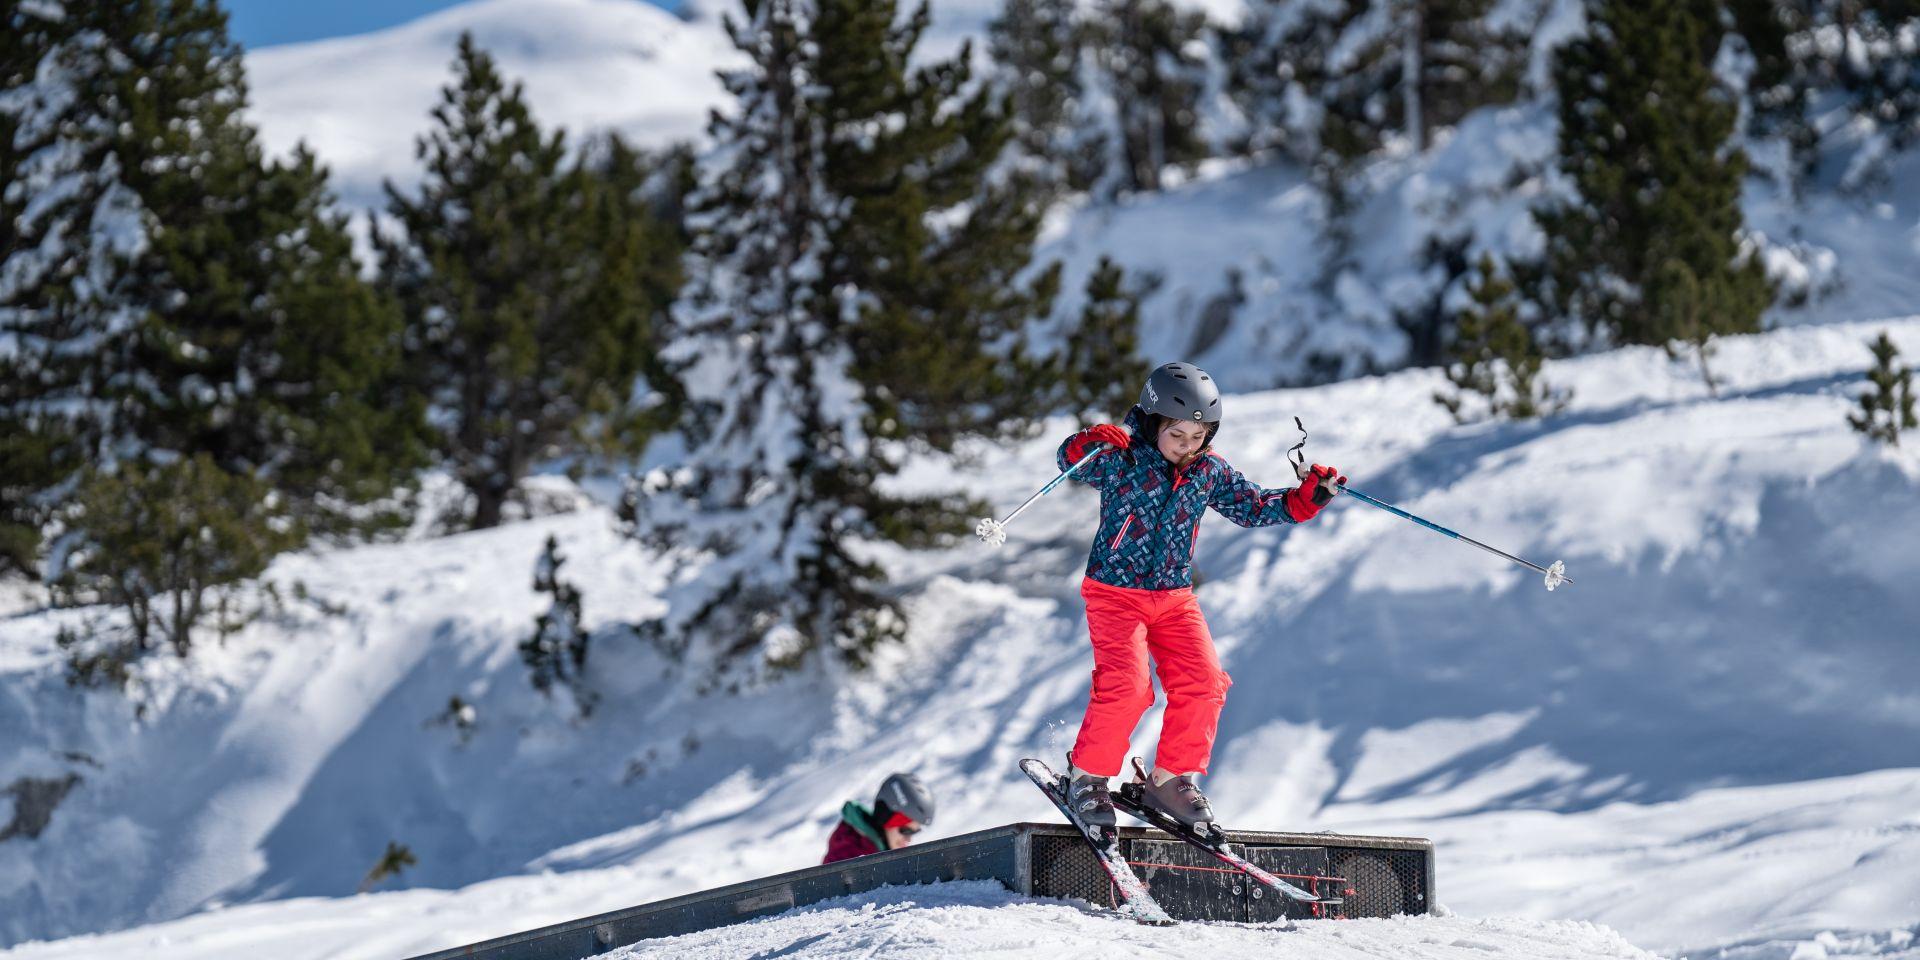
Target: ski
1214, 841
1134, 901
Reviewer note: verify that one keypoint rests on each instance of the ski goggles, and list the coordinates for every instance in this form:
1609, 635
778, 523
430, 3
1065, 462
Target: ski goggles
903, 823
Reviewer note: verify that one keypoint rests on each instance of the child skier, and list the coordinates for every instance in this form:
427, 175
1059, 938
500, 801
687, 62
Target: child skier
1156, 478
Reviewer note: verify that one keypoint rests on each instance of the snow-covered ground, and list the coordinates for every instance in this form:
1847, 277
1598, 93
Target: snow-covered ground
1711, 740
975, 918
1709, 743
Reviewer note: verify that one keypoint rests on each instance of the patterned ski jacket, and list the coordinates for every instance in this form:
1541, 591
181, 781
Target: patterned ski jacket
1150, 512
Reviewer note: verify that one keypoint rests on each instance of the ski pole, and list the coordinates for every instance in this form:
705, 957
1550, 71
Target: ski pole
994, 532
1556, 573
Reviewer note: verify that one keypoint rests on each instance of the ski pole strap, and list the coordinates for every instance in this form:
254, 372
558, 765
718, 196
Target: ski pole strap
1430, 525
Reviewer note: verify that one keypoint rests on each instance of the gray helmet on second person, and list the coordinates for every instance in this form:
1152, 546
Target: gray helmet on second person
1181, 391
904, 793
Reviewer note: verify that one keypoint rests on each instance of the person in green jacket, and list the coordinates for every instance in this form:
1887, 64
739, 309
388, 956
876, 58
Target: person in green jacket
902, 808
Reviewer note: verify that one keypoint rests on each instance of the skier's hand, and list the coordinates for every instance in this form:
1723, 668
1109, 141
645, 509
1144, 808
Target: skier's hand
1305, 500
1106, 433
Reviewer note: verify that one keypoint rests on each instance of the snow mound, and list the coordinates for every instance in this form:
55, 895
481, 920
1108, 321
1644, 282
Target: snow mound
974, 918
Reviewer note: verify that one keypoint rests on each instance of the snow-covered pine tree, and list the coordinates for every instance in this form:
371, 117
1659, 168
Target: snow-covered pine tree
1779, 85
1101, 362
1345, 74
1276, 63
775, 421
169, 294
1863, 54
927, 260
1494, 354
851, 288
521, 280
69, 230
1036, 51
1150, 58
1887, 408
556, 654
1649, 250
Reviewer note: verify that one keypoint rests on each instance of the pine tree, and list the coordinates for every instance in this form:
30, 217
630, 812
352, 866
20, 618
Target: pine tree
165, 543
772, 409
928, 256
1887, 409
71, 230
852, 288
171, 298
1036, 50
528, 287
1780, 87
1277, 60
1650, 251
393, 861
637, 228
1102, 365
1495, 356
1146, 104
25, 458
1344, 75
556, 654
287, 365
1862, 55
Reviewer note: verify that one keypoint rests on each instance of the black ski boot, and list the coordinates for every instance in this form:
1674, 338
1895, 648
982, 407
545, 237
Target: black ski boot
1087, 795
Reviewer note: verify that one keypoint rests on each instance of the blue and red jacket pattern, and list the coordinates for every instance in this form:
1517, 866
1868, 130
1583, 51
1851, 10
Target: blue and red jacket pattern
1150, 512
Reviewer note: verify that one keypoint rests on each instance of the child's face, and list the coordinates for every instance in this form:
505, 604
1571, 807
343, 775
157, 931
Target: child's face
1180, 440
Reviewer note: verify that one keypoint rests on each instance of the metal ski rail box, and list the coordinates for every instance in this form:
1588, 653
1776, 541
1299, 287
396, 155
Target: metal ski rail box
1374, 877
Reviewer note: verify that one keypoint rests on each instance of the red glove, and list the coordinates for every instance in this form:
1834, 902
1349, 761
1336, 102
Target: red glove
1305, 500
1106, 433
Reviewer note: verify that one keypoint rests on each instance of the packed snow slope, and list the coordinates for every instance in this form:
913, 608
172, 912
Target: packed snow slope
1710, 740
961, 919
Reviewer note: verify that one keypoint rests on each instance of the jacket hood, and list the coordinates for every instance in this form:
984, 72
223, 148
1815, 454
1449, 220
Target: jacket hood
856, 815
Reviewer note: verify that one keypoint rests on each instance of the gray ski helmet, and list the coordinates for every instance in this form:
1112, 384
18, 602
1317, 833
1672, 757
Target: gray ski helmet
1181, 391
904, 793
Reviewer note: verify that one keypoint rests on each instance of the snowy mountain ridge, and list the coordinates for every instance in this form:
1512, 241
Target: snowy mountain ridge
589, 65
1722, 704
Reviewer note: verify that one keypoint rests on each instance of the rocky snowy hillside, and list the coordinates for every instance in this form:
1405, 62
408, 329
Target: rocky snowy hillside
1245, 281
1710, 741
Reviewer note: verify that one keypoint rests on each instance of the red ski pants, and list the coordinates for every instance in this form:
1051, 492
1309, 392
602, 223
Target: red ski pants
1127, 626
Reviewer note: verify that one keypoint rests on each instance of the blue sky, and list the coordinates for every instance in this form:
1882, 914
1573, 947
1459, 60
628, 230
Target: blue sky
262, 23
